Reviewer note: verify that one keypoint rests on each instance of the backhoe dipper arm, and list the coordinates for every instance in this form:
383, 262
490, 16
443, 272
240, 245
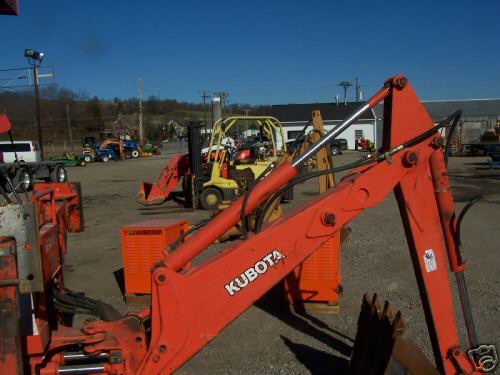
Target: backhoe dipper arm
189, 308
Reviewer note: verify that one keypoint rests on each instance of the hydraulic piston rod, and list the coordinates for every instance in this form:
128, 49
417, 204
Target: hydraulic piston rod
83, 357
448, 222
328, 137
398, 81
284, 173
81, 369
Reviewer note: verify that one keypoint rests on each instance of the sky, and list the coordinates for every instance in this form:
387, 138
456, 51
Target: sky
260, 52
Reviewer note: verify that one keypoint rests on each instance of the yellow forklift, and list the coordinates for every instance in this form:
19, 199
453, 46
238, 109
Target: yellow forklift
223, 169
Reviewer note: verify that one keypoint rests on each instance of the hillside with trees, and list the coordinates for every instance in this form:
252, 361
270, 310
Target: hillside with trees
89, 115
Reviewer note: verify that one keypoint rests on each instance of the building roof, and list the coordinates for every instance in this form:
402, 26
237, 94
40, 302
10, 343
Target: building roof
329, 111
439, 109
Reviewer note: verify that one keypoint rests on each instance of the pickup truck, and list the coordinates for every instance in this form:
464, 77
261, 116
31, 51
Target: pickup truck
337, 145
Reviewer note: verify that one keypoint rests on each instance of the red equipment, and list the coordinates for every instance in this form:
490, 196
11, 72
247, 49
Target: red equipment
28, 273
157, 192
226, 285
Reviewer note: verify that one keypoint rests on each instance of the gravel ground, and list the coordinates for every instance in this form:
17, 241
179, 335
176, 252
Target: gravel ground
267, 339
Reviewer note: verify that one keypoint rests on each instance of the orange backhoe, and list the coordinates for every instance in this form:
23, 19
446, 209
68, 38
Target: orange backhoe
161, 338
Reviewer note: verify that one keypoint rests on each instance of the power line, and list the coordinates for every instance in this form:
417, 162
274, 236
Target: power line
13, 69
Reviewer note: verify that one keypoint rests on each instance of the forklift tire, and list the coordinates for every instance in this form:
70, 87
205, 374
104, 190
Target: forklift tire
135, 154
210, 199
59, 174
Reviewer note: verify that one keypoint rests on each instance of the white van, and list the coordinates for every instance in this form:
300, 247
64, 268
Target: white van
27, 151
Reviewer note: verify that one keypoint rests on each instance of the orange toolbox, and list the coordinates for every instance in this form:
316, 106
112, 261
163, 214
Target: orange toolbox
143, 245
317, 279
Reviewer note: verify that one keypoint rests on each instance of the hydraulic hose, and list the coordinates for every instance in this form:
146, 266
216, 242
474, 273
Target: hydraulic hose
368, 160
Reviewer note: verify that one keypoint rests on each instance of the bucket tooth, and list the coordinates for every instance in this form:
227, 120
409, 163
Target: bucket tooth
375, 303
387, 311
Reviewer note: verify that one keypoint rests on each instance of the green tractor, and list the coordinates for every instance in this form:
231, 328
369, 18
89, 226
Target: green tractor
70, 160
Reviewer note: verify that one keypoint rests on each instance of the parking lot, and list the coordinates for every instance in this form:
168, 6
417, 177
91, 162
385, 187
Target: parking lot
268, 339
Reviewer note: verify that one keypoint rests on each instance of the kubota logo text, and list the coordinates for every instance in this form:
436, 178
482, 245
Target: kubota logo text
261, 267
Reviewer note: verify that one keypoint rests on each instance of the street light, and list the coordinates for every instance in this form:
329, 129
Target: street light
35, 59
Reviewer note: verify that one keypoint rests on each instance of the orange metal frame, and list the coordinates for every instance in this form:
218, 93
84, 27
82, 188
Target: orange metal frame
228, 283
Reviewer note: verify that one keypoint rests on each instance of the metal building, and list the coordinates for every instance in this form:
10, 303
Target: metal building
477, 115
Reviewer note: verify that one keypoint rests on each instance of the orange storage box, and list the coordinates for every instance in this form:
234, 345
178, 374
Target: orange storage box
143, 244
317, 279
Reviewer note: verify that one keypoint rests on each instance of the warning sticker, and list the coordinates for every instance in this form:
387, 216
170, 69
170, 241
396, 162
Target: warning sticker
430, 260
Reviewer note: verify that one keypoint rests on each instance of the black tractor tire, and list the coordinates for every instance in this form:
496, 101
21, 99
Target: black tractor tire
82, 163
59, 174
128, 155
210, 199
105, 158
135, 154
335, 150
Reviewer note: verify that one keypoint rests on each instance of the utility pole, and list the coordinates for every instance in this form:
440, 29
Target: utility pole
38, 115
139, 89
205, 95
345, 85
69, 129
35, 59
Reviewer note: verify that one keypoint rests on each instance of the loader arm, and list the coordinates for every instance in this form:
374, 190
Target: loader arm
190, 307
158, 191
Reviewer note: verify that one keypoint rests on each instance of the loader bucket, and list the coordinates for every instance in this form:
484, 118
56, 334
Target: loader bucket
158, 192
150, 194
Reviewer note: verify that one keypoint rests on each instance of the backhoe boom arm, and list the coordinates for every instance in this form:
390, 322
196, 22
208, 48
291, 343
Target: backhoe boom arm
190, 307
227, 284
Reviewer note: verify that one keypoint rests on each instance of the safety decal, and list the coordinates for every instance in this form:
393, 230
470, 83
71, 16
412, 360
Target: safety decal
430, 260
